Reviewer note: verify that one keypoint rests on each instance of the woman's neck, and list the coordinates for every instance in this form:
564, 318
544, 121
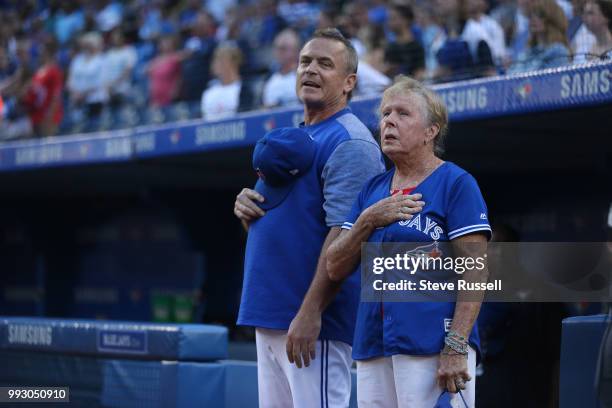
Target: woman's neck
411, 171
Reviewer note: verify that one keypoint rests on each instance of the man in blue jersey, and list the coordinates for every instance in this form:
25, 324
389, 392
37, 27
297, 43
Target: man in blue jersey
304, 322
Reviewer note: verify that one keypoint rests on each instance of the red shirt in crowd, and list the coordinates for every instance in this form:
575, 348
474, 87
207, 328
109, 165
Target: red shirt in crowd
46, 86
164, 78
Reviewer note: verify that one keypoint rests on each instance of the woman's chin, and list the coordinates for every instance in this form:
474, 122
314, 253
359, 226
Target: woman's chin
390, 150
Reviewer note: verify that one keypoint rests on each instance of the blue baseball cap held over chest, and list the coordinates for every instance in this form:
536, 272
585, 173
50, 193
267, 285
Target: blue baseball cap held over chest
280, 157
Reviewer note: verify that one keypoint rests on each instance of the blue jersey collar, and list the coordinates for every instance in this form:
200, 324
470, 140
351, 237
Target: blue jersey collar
328, 120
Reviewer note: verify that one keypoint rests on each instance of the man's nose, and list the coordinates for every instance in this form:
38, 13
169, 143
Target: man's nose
311, 68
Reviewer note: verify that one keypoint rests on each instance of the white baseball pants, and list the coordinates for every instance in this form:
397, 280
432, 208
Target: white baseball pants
326, 383
403, 381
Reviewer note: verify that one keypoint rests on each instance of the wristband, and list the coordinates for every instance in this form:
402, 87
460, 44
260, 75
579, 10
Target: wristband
456, 343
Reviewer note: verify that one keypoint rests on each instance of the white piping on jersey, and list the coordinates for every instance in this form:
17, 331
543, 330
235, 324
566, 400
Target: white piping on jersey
466, 230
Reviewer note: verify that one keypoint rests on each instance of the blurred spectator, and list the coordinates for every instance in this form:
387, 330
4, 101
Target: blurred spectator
371, 68
446, 39
155, 20
230, 26
348, 22
598, 19
279, 89
327, 19
43, 97
189, 14
231, 31
548, 43
109, 16
86, 87
581, 39
222, 98
512, 17
198, 55
480, 26
457, 59
567, 8
431, 34
218, 8
270, 22
378, 12
301, 15
118, 66
165, 73
404, 55
358, 13
7, 65
16, 122
260, 28
68, 21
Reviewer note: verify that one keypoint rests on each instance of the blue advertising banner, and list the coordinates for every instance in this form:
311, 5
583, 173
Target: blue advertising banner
66, 150
553, 89
195, 342
125, 341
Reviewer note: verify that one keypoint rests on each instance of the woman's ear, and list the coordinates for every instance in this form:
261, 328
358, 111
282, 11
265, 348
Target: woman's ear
432, 131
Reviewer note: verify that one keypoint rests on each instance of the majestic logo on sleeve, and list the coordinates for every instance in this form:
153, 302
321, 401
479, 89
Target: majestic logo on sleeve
427, 226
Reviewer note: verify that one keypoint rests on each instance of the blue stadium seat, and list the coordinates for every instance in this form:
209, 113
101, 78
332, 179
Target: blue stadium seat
127, 116
195, 110
154, 116
105, 121
78, 127
140, 93
178, 111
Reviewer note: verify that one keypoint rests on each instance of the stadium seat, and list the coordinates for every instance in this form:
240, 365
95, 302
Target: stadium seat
127, 116
154, 115
178, 111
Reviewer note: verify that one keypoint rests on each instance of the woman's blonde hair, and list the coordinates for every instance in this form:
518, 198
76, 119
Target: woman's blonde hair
555, 22
434, 109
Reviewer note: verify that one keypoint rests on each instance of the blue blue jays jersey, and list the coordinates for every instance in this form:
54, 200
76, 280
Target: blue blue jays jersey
454, 206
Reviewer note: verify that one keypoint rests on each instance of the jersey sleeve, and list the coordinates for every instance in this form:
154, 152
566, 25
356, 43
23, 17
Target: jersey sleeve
350, 165
467, 211
355, 211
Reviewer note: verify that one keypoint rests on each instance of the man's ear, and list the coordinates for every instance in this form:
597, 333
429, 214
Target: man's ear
349, 83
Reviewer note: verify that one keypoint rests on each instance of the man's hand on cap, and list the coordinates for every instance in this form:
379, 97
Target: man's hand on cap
245, 208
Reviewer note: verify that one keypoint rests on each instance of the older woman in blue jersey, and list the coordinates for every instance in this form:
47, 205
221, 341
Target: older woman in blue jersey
409, 353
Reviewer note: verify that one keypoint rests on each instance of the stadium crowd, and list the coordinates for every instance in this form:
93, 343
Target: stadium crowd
69, 66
